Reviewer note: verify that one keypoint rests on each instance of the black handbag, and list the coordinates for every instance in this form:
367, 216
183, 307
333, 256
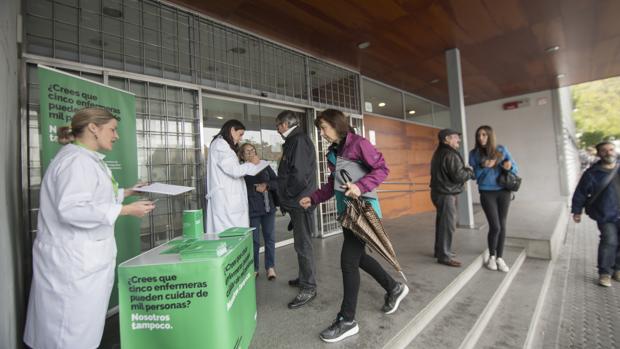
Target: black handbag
509, 180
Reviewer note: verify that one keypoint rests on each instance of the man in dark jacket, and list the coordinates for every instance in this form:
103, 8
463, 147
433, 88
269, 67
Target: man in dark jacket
297, 179
448, 174
599, 192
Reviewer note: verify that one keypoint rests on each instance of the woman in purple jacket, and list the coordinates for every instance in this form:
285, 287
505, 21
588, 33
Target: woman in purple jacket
335, 128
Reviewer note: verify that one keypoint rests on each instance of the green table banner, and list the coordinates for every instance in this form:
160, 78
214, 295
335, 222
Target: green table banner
61, 94
203, 299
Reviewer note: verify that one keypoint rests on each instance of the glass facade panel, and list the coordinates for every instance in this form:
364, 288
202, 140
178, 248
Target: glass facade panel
441, 116
418, 110
333, 86
383, 100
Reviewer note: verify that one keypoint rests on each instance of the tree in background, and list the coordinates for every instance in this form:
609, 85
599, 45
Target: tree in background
597, 110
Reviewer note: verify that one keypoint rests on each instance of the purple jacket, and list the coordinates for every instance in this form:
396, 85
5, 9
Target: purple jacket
356, 148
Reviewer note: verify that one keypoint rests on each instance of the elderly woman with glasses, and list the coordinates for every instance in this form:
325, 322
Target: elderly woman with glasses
262, 208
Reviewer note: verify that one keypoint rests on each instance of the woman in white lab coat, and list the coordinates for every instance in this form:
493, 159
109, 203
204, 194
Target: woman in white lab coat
73, 256
227, 199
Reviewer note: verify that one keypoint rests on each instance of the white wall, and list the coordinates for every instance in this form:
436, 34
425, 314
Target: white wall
11, 286
530, 135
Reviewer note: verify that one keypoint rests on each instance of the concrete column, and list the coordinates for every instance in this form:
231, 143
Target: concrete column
458, 121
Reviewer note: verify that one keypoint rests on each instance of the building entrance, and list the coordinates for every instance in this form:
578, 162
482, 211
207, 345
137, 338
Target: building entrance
260, 121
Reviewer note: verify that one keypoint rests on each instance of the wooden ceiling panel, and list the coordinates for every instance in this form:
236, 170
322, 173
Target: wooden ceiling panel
502, 43
507, 14
438, 17
391, 10
475, 20
549, 33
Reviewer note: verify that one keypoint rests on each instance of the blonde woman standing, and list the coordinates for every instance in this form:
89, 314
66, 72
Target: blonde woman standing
74, 253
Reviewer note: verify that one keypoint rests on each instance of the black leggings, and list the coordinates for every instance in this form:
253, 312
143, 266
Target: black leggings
495, 205
353, 257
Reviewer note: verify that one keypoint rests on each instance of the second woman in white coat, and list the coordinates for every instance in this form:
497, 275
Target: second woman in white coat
227, 199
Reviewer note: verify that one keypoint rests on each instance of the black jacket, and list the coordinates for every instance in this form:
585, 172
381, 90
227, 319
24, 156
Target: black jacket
448, 171
297, 169
256, 200
605, 209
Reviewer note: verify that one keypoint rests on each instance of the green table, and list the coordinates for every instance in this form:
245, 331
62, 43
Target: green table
190, 294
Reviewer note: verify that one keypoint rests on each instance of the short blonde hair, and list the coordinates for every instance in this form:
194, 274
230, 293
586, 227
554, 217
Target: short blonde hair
81, 119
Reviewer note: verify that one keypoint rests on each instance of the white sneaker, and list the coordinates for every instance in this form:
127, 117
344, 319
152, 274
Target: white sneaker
491, 264
501, 265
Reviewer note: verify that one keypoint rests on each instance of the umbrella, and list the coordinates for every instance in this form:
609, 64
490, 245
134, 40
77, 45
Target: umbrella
362, 220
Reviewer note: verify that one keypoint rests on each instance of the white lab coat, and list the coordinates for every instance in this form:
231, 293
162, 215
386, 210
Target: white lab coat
227, 198
74, 252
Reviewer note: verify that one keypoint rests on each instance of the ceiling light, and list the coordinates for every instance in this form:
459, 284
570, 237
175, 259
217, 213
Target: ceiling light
112, 12
559, 76
411, 112
219, 117
238, 50
363, 45
434, 81
381, 104
552, 49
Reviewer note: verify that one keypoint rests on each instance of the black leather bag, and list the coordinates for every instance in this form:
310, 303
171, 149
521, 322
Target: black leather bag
509, 180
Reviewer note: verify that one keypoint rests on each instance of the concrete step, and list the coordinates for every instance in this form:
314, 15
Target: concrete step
433, 306
519, 310
465, 315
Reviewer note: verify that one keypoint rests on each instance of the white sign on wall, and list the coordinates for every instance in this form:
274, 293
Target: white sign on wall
372, 138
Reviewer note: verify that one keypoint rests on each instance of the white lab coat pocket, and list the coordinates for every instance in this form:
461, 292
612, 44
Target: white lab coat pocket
95, 255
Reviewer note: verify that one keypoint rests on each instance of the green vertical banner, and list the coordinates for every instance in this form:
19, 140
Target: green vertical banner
62, 94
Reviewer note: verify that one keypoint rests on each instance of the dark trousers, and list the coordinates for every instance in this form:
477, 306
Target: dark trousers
608, 253
495, 205
352, 258
302, 236
445, 224
265, 224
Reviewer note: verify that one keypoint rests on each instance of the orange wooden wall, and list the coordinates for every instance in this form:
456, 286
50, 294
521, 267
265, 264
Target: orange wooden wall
408, 149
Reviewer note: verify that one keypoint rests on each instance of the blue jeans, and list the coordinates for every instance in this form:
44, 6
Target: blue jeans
265, 223
608, 253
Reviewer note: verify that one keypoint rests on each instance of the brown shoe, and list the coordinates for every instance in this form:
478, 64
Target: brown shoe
256, 274
616, 275
271, 274
451, 263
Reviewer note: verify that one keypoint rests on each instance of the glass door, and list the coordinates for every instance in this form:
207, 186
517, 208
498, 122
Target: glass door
260, 122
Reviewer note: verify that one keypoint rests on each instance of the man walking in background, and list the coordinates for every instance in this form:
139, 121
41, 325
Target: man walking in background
297, 179
448, 174
598, 192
